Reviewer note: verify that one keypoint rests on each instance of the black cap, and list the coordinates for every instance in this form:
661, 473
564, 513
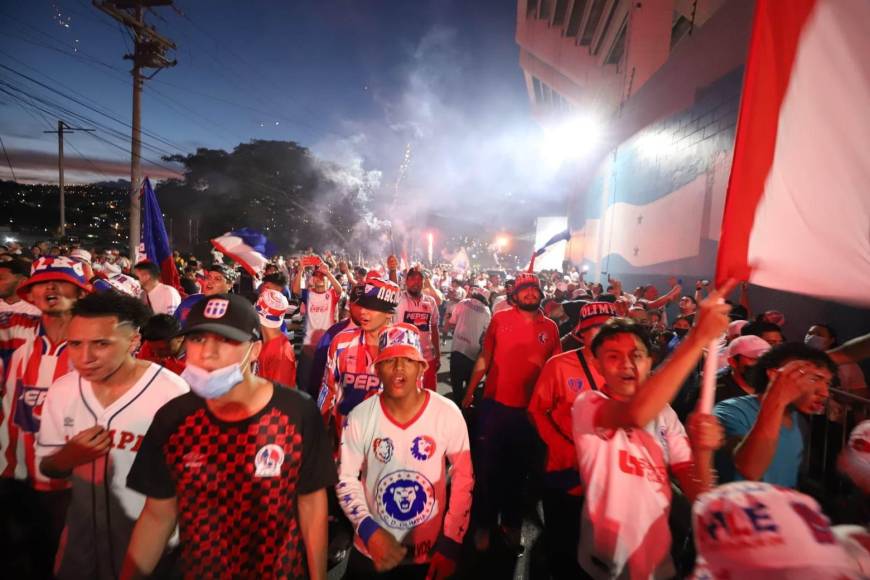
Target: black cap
229, 315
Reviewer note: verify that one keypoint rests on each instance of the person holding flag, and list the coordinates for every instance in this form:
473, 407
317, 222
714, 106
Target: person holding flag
161, 298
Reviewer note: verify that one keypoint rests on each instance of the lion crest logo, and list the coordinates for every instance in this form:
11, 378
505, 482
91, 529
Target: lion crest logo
405, 499
423, 447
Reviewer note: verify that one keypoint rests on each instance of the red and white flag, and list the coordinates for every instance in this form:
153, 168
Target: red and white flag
797, 215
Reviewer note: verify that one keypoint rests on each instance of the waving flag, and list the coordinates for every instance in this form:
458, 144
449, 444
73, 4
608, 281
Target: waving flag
562, 236
154, 238
249, 248
798, 209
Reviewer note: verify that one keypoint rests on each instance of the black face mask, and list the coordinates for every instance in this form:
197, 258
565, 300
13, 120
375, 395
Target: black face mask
681, 332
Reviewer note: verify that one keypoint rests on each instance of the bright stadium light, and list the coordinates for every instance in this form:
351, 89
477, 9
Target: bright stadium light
571, 139
501, 242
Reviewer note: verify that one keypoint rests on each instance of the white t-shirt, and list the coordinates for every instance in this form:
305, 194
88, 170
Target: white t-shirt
624, 527
72, 407
404, 475
422, 313
163, 299
320, 313
501, 303
471, 318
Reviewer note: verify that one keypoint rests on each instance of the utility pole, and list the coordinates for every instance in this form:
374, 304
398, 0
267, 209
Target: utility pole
62, 129
149, 53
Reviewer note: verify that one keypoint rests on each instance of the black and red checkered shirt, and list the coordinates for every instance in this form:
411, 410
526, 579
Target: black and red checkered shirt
237, 482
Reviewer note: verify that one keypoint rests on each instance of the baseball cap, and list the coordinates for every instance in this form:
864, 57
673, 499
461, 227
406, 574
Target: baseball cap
854, 460
595, 314
228, 315
379, 294
271, 307
524, 280
57, 269
756, 530
751, 346
400, 340
734, 328
121, 283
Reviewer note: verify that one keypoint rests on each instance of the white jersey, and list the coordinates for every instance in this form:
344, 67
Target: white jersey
163, 299
628, 492
99, 490
404, 476
471, 318
420, 312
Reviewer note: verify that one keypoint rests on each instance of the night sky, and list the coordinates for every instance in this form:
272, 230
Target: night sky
357, 81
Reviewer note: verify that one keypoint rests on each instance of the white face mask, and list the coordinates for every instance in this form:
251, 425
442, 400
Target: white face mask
817, 342
216, 383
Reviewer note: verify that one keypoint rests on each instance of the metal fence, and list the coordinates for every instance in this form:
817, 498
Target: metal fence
826, 436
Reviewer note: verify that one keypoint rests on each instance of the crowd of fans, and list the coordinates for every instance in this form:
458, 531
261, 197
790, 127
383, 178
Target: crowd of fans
289, 423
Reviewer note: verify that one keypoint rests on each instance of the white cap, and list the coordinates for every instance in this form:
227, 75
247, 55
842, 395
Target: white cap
756, 530
271, 307
751, 346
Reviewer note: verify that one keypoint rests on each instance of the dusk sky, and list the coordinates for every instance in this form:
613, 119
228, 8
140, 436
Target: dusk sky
355, 81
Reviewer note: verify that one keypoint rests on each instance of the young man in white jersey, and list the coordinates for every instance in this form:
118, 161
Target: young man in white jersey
629, 442
393, 472
564, 377
93, 422
321, 308
421, 311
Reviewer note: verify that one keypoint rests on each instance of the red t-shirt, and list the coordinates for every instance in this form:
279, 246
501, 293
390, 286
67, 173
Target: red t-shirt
519, 348
277, 362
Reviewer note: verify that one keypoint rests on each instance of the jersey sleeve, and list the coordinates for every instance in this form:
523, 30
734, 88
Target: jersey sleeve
461, 475
489, 336
174, 300
584, 413
350, 491
318, 468
150, 475
679, 450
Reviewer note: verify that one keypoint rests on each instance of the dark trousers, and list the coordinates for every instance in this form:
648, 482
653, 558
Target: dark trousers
360, 567
460, 372
562, 533
504, 450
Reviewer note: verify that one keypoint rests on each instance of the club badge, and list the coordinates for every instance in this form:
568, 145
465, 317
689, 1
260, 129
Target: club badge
405, 499
268, 461
423, 447
383, 449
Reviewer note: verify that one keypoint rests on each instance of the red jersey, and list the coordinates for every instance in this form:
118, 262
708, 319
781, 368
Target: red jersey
519, 348
563, 378
34, 366
176, 365
277, 362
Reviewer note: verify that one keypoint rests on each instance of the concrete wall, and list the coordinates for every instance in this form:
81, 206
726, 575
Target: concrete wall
653, 207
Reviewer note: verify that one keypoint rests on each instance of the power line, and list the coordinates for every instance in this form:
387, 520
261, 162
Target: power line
8, 162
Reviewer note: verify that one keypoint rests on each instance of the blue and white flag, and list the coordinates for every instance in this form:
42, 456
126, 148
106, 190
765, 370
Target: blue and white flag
249, 248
